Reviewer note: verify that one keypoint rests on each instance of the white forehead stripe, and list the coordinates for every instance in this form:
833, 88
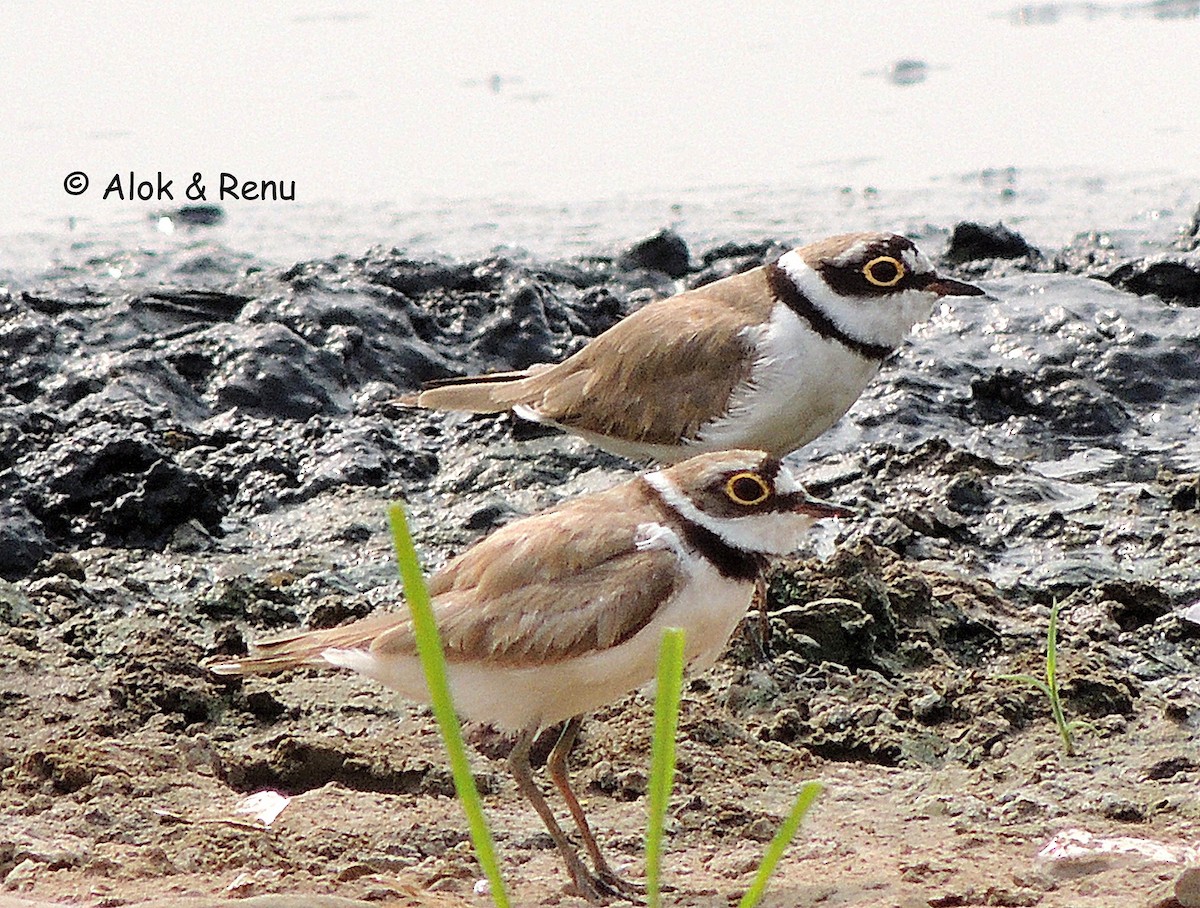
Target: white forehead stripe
854, 252
916, 262
774, 533
797, 269
785, 482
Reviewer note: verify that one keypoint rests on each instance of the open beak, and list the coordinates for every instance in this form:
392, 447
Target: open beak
803, 503
944, 286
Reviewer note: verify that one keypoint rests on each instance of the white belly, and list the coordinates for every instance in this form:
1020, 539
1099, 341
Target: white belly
801, 385
708, 609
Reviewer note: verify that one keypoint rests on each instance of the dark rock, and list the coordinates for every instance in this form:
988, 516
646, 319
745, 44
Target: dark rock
971, 242
742, 252
271, 371
1073, 405
845, 633
1184, 494
262, 704
198, 215
907, 72
334, 611
117, 485
1170, 767
1099, 694
62, 564
1123, 810
298, 765
491, 514
723, 268
1002, 394
257, 601
597, 310
23, 541
666, 251
966, 494
1191, 238
417, 279
356, 453
1172, 281
1133, 604
1149, 373
159, 673
228, 641
518, 330
1078, 407
193, 304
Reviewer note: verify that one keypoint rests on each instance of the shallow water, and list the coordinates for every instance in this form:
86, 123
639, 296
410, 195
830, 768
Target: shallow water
560, 127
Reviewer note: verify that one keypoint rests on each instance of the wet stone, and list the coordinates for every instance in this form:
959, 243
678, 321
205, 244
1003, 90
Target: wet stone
665, 251
1171, 281
24, 542
1187, 888
198, 215
972, 242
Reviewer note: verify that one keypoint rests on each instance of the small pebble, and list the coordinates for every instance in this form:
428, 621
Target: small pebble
1187, 888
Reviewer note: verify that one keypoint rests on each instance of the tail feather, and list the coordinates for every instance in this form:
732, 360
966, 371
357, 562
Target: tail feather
306, 647
473, 398
491, 393
486, 379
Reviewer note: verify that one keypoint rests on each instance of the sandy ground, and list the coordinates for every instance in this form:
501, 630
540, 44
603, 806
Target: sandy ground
123, 773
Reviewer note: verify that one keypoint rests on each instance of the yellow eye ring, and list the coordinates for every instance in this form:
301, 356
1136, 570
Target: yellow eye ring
747, 489
886, 260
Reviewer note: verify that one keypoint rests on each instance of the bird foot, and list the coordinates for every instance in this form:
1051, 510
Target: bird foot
605, 886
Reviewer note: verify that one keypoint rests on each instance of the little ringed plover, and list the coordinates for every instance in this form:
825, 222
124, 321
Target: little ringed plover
767, 359
562, 612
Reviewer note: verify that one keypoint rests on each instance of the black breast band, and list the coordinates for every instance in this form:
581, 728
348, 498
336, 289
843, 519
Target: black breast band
784, 289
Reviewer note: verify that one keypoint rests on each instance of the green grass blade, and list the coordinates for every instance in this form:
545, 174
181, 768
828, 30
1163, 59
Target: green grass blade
433, 661
662, 755
783, 838
1031, 681
1060, 719
1049, 687
1052, 648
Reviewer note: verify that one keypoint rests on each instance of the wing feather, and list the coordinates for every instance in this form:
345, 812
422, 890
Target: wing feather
687, 354
544, 589
552, 586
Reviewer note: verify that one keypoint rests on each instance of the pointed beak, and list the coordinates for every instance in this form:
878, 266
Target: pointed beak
945, 286
803, 503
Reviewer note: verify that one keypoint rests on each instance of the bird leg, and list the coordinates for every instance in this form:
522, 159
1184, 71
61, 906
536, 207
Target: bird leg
585, 883
556, 768
758, 635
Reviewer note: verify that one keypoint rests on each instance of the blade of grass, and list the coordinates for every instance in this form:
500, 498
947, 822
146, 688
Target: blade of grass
1060, 719
662, 754
433, 661
783, 838
1049, 687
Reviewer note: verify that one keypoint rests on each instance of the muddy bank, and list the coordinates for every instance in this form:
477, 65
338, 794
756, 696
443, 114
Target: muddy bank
197, 448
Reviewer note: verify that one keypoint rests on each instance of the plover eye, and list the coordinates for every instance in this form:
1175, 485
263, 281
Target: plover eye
747, 489
884, 271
